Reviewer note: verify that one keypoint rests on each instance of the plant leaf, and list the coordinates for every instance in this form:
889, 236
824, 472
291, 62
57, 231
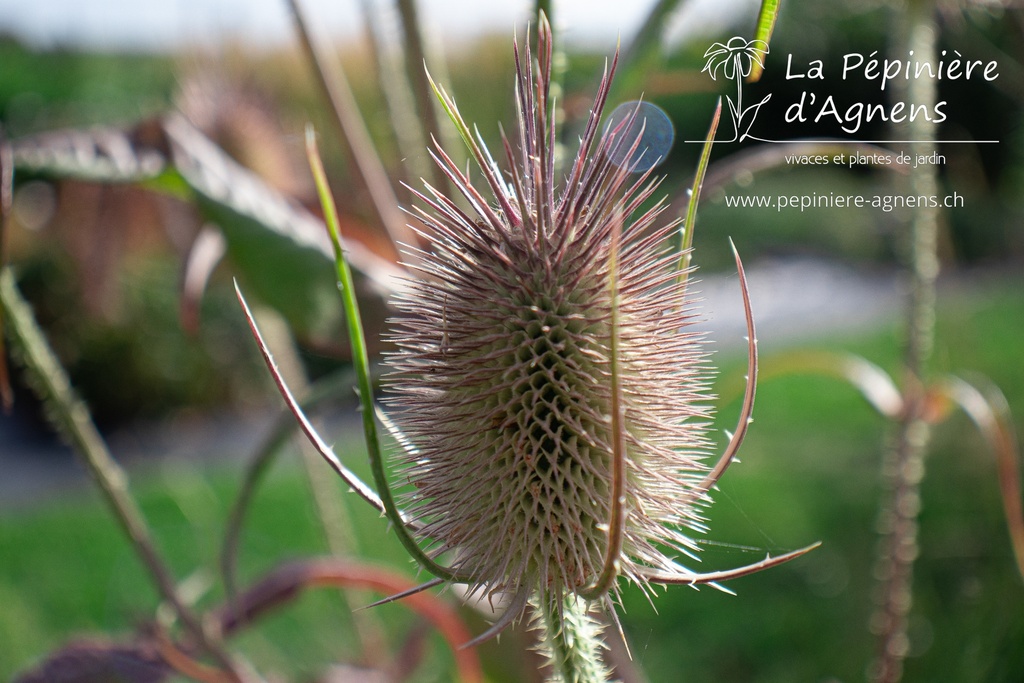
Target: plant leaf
750, 112
685, 245
990, 413
361, 361
257, 223
171, 156
765, 25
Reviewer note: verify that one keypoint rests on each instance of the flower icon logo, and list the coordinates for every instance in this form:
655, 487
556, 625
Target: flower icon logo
734, 60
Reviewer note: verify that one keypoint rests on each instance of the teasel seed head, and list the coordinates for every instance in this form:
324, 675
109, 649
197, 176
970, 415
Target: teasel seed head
504, 385
547, 391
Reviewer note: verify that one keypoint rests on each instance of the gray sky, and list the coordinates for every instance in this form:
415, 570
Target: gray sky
163, 24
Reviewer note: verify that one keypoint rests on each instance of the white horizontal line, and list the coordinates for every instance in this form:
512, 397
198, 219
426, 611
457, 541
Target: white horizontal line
870, 142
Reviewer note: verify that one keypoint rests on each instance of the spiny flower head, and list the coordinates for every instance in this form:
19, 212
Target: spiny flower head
541, 313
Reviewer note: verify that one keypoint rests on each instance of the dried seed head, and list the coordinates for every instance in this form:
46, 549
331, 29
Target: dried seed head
502, 381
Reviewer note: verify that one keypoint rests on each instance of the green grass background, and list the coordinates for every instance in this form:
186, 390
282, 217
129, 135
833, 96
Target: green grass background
809, 472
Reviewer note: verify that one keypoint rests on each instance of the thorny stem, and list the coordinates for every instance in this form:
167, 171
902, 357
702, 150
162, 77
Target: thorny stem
332, 515
571, 641
904, 463
334, 520
263, 458
71, 418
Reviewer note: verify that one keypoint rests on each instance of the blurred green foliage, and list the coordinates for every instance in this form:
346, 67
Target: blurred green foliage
811, 463
136, 362
809, 471
42, 91
46, 90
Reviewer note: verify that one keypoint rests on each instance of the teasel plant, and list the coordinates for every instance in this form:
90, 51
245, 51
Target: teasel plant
549, 401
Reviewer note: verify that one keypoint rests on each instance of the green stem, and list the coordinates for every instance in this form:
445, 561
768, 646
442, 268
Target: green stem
690, 223
571, 640
6, 198
406, 126
904, 463
361, 362
416, 61
640, 56
70, 416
